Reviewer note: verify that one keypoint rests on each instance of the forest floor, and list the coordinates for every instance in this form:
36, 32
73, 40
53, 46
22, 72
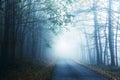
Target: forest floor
111, 72
27, 71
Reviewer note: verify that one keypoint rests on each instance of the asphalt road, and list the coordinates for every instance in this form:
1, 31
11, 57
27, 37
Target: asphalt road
69, 70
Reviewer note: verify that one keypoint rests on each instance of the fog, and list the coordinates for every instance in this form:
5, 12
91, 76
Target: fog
67, 45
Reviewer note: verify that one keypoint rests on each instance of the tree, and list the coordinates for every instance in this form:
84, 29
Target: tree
111, 33
96, 32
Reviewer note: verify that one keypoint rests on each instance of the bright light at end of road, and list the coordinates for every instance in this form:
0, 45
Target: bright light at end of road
67, 44
63, 49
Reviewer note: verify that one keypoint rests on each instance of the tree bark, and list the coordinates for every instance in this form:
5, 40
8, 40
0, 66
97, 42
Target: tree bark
96, 32
111, 33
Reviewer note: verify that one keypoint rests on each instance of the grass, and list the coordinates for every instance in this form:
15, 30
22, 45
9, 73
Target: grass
28, 71
113, 73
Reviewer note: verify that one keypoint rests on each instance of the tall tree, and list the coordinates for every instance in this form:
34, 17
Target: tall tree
96, 31
111, 33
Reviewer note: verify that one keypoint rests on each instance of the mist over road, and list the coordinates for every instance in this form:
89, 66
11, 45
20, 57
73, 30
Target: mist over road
69, 70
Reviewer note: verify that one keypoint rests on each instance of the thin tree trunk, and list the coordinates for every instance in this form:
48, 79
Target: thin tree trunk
111, 34
96, 32
100, 46
106, 47
116, 43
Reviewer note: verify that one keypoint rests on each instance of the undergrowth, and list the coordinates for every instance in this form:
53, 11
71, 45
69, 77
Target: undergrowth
25, 70
113, 73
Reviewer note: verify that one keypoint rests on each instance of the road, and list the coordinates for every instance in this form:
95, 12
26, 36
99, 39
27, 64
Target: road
69, 70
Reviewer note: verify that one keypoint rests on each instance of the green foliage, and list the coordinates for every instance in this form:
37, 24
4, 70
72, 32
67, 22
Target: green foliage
48, 45
17, 1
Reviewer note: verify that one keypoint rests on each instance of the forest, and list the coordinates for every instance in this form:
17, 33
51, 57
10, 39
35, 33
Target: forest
36, 34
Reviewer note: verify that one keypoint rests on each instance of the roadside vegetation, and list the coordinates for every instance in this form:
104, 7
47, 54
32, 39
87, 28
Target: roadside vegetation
28, 71
113, 73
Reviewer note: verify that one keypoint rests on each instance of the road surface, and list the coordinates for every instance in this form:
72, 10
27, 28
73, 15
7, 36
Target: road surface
69, 70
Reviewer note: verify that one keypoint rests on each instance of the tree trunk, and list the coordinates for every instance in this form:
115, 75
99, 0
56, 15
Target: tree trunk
111, 34
106, 47
96, 32
100, 46
116, 43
